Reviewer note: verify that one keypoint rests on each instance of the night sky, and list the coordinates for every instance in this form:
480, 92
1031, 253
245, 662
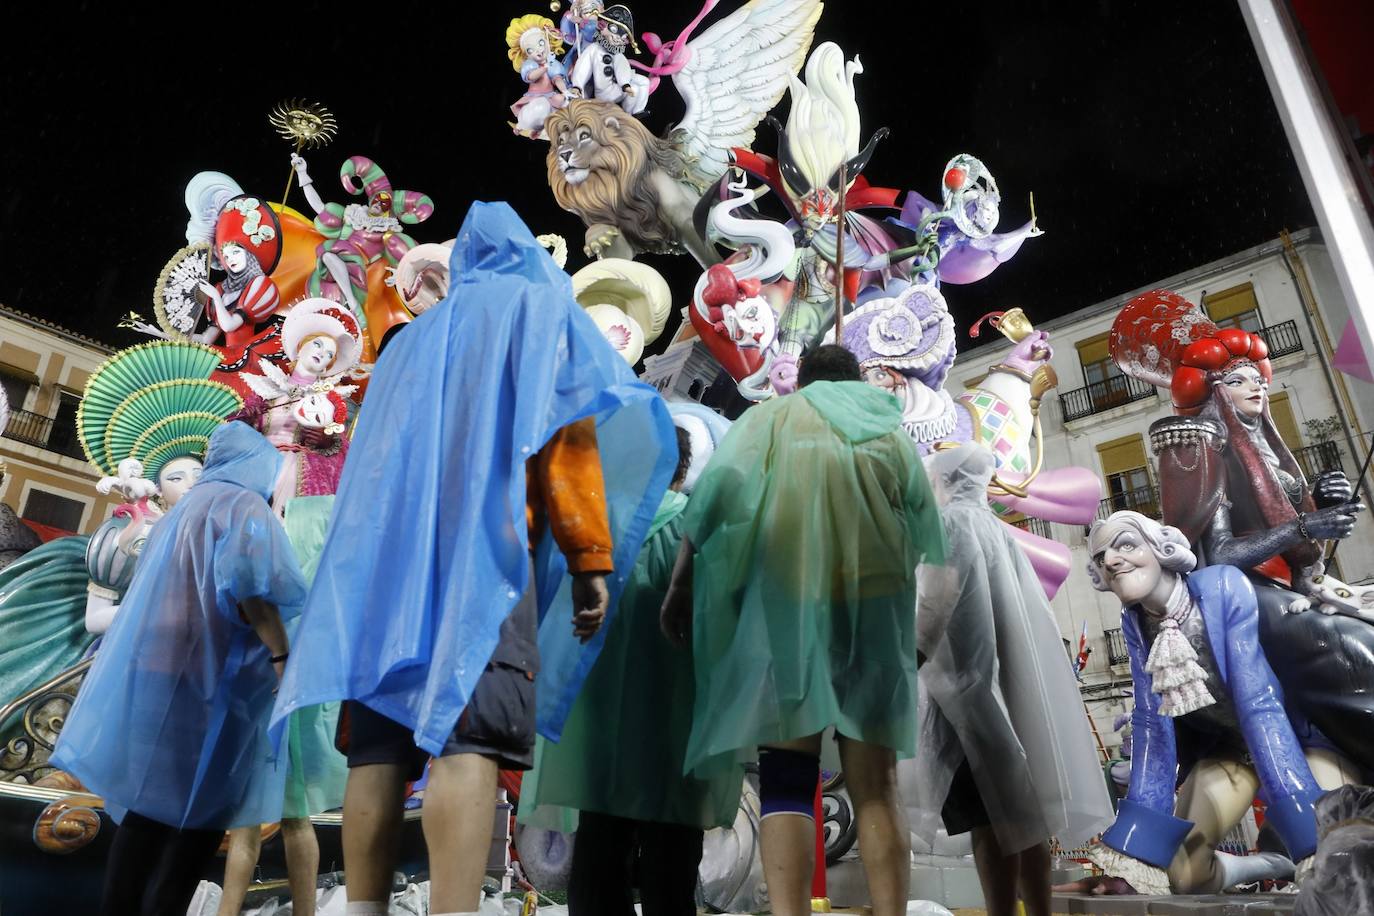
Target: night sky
1144, 128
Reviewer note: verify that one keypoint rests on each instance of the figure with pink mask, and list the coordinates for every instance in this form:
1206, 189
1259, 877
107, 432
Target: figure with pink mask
303, 414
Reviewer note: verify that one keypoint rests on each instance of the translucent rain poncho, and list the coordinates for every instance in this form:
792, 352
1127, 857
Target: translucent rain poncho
427, 551
171, 720
809, 524
996, 685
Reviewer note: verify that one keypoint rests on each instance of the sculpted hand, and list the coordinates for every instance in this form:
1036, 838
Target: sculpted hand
298, 163
210, 293
590, 599
1331, 523
783, 375
1331, 489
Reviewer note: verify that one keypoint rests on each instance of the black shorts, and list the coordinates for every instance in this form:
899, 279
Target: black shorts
497, 723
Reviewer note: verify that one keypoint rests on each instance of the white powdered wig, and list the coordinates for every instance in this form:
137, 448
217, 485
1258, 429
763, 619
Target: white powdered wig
823, 125
1169, 545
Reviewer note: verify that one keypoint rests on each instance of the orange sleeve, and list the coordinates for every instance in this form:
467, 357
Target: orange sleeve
567, 476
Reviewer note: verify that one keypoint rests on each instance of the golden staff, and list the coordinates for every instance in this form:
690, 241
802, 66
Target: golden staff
839, 256
309, 124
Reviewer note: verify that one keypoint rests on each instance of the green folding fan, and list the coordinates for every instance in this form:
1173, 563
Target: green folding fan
154, 402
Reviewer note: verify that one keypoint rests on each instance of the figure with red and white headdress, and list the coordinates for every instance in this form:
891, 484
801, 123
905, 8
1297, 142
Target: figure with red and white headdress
247, 247
1229, 481
304, 413
1230, 484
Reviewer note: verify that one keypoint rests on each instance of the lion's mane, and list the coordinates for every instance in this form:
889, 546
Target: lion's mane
617, 190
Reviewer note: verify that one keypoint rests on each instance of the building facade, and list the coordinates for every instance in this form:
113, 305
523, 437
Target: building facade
47, 479
1100, 418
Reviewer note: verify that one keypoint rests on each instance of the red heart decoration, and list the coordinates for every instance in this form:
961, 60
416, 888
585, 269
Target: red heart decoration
750, 288
721, 286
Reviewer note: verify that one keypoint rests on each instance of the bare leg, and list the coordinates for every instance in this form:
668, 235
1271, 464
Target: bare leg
1215, 796
870, 772
459, 811
373, 807
998, 872
302, 863
1035, 879
789, 848
244, 845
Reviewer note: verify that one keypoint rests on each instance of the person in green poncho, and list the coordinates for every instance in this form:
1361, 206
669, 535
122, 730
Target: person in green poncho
796, 586
620, 760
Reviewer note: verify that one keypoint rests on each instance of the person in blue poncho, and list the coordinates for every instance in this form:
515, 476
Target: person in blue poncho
199, 622
503, 444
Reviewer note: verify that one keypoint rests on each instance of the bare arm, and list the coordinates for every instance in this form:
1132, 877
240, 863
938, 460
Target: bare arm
307, 185
675, 619
263, 617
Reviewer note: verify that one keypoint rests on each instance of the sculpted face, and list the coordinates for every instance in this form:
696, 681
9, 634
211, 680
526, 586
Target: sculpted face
888, 379
1247, 390
577, 148
315, 411
316, 355
535, 45
233, 257
1129, 567
176, 477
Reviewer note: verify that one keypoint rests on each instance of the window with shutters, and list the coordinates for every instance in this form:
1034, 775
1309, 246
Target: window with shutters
1126, 471
1105, 383
1236, 307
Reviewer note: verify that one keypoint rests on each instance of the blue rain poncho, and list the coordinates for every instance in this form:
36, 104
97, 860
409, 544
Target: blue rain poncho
171, 720
427, 548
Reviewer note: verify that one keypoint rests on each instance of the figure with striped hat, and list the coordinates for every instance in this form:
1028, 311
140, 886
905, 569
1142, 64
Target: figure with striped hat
358, 234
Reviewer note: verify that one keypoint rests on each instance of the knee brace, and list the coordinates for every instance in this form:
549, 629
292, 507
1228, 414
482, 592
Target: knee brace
787, 782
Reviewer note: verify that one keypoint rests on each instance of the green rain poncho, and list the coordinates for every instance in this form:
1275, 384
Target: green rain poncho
622, 749
809, 524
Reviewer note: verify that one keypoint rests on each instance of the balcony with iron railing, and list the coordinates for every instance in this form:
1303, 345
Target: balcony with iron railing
1104, 395
1315, 459
1116, 647
1034, 526
1282, 338
35, 429
1144, 500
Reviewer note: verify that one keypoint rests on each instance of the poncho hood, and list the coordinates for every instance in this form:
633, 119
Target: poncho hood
858, 411
239, 455
961, 475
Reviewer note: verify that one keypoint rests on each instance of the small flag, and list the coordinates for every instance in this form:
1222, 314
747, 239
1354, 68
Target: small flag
1083, 649
1350, 357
